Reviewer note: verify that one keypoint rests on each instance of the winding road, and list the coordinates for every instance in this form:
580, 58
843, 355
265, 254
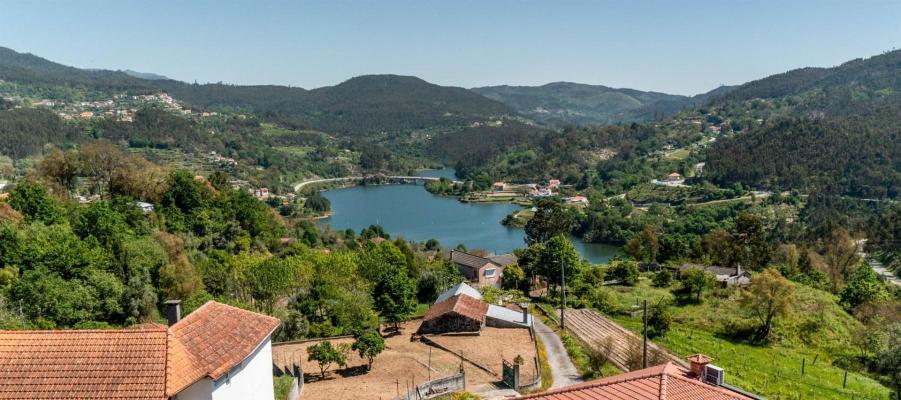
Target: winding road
300, 185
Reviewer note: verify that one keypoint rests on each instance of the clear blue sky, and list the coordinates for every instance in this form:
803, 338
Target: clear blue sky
683, 47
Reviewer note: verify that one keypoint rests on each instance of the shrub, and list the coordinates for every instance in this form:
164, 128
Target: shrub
624, 271
663, 279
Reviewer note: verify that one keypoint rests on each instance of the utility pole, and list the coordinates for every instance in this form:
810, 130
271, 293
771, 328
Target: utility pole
563, 306
644, 358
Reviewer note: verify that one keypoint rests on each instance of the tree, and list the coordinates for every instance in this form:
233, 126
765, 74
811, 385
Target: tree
663, 278
863, 286
625, 272
35, 204
395, 296
369, 345
659, 319
695, 282
325, 355
840, 254
768, 297
100, 160
645, 246
62, 168
317, 203
550, 220
556, 255
750, 240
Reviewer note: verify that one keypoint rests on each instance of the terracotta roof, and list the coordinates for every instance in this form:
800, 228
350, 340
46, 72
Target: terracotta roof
460, 304
211, 341
147, 362
84, 364
663, 382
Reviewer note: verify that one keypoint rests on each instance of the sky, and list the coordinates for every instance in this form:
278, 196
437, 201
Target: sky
680, 47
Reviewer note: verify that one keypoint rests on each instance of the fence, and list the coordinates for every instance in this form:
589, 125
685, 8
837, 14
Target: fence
436, 387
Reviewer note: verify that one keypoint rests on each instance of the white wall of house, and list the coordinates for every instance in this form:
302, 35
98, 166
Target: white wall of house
252, 379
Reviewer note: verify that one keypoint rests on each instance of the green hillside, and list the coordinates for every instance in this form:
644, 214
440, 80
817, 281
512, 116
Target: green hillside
562, 103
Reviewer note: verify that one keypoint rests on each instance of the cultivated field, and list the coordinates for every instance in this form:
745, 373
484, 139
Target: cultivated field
622, 347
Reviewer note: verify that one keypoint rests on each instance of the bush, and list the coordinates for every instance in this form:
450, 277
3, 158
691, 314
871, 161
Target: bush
602, 299
659, 319
663, 279
624, 271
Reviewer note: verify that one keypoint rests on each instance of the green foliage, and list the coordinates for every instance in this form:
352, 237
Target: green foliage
317, 203
694, 282
626, 272
394, 295
369, 345
863, 286
324, 354
663, 278
659, 319
35, 204
550, 220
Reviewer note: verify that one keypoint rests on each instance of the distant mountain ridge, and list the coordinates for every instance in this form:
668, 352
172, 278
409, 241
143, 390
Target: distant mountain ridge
561, 103
144, 75
365, 104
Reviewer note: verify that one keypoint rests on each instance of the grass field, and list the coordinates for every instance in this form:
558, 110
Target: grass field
818, 331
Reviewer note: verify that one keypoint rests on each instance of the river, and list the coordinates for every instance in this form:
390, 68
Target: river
413, 213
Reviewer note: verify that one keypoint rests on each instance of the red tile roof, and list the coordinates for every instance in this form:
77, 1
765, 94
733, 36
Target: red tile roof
149, 362
663, 382
84, 364
211, 341
460, 304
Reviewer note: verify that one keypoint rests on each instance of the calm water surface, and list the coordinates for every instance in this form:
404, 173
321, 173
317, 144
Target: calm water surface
411, 212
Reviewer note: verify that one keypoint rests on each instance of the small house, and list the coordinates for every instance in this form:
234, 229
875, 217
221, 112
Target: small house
553, 183
482, 270
457, 314
675, 177
217, 352
499, 186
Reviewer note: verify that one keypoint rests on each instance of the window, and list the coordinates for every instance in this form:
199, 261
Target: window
489, 273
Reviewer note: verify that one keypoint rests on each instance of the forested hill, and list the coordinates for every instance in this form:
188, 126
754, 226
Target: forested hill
562, 103
365, 104
833, 129
880, 74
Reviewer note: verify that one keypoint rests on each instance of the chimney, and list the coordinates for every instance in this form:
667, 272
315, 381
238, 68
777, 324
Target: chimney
698, 363
173, 311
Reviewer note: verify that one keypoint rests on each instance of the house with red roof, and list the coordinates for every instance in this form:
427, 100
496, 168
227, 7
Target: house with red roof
218, 352
668, 381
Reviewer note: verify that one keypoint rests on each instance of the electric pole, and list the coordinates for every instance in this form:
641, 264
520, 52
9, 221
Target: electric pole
644, 359
563, 292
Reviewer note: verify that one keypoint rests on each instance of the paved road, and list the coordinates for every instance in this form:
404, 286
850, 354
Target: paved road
562, 368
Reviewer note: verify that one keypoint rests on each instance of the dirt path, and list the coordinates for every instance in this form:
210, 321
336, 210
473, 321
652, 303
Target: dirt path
562, 368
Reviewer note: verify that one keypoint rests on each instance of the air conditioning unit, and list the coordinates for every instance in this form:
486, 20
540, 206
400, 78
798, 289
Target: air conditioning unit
714, 375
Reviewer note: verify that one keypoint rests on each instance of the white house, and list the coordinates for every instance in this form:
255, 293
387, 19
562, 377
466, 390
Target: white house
218, 352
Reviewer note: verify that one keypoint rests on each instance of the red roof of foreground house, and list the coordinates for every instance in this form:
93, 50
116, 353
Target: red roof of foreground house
663, 382
211, 341
84, 364
460, 304
149, 362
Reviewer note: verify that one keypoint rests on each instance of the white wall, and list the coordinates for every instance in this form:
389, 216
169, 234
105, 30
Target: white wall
200, 390
252, 379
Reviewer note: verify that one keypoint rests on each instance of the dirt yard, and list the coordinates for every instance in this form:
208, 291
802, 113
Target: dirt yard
493, 345
402, 361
